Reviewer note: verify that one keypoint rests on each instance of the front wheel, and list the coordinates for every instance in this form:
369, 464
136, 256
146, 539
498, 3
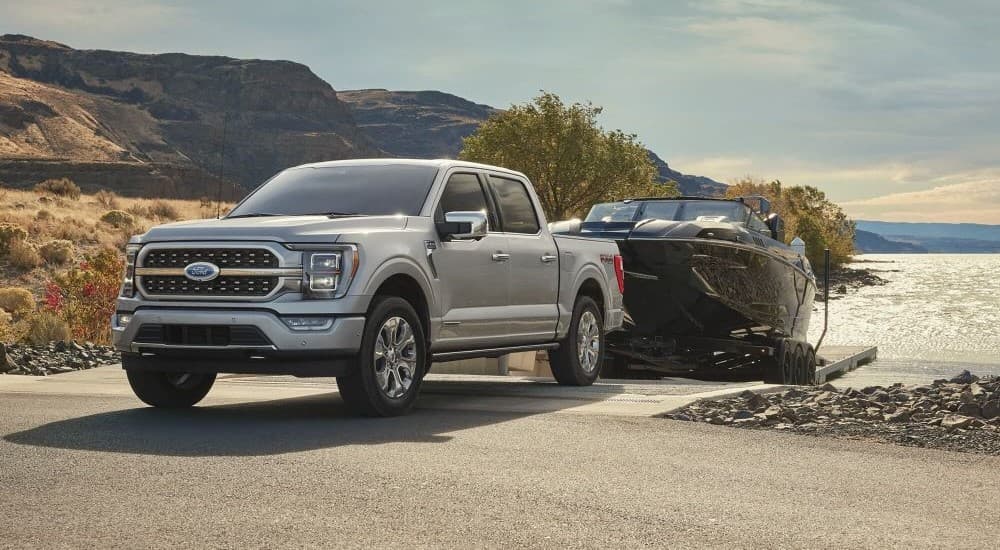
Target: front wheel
391, 363
578, 360
170, 390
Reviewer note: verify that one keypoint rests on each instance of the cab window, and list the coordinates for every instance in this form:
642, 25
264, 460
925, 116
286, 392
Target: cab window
516, 211
463, 193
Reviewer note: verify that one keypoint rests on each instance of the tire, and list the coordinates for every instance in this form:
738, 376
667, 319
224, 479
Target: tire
799, 371
576, 362
810, 366
391, 363
780, 369
170, 390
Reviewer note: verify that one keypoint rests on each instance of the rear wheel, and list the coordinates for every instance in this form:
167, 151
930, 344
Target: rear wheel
170, 390
810, 366
578, 360
391, 363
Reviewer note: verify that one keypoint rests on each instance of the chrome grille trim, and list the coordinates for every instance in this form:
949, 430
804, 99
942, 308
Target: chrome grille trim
286, 275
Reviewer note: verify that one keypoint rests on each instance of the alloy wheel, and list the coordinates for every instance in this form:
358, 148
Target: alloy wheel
395, 357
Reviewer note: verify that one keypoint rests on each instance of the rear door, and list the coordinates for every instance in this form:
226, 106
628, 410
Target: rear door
534, 262
473, 275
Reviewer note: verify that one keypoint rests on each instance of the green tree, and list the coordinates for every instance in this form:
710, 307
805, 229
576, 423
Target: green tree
572, 161
808, 214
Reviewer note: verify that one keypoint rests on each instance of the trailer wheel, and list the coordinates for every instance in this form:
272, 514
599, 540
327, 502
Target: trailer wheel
778, 369
577, 361
810, 366
788, 361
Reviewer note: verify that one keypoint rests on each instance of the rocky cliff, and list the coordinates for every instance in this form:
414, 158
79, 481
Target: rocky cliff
136, 112
432, 124
172, 124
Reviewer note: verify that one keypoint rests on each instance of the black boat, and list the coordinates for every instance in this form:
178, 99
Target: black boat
710, 287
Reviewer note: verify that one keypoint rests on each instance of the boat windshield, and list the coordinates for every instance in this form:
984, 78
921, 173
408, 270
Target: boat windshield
676, 210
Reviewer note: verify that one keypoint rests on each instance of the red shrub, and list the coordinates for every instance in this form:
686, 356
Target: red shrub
85, 295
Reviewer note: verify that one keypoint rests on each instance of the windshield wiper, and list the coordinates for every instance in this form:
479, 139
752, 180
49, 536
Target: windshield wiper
340, 214
254, 215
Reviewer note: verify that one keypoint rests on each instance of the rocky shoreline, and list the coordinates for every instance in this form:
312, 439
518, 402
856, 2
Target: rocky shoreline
960, 414
54, 358
843, 279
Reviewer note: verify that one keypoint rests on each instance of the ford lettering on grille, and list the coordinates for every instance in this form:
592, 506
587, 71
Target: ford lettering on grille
201, 271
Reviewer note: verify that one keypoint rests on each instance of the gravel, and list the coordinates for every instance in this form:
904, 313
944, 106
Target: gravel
960, 414
54, 358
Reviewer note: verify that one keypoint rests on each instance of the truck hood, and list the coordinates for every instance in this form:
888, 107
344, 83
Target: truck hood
297, 229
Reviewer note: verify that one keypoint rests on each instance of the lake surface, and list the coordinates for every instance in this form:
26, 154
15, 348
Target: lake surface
935, 309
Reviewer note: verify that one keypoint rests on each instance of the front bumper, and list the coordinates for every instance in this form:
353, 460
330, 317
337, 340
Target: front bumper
281, 350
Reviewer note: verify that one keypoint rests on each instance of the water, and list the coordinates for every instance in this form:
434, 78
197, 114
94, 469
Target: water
936, 309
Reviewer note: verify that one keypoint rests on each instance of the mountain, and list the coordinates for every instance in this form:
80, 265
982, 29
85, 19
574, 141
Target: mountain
976, 231
426, 124
688, 185
937, 237
431, 124
156, 124
173, 124
872, 243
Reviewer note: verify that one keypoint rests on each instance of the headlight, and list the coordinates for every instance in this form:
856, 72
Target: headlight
327, 273
128, 286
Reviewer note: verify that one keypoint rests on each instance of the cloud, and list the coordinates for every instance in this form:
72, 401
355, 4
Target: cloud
977, 201
116, 17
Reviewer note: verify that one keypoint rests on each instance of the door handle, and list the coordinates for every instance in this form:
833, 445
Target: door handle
500, 257
549, 258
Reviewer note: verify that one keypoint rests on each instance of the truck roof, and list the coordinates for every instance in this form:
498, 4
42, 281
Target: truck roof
438, 163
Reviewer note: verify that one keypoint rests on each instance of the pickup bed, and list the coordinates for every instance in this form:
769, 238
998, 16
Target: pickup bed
367, 270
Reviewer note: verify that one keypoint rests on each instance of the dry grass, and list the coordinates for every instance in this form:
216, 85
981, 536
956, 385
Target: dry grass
78, 221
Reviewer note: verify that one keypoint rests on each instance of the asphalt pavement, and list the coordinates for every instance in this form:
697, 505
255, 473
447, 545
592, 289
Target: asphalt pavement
270, 468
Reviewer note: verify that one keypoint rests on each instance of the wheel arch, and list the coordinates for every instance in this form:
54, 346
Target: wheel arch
406, 287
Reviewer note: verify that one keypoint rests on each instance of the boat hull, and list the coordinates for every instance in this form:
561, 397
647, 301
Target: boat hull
713, 288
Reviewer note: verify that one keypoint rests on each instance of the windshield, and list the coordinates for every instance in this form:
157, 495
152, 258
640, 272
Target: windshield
677, 210
613, 212
342, 190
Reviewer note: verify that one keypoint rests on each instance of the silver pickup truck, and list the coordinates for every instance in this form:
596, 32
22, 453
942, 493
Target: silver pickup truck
367, 270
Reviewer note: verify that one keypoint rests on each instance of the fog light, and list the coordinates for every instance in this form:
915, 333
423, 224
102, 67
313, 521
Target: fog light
124, 319
308, 323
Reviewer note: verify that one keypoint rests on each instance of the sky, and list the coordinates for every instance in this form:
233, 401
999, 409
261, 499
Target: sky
891, 107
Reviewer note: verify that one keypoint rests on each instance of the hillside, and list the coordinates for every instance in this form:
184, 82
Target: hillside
431, 124
939, 237
160, 118
866, 242
171, 124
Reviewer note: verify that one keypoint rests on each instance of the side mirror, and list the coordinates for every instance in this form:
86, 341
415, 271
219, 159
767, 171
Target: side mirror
777, 227
463, 225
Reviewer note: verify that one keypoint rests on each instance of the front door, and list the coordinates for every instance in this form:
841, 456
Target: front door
472, 275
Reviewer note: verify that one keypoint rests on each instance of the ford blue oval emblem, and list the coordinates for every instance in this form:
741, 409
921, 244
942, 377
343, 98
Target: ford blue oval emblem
201, 271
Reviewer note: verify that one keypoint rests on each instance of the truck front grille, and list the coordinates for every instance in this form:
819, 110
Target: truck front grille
250, 258
201, 335
172, 285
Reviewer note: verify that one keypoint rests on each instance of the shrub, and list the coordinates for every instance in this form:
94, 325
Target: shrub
17, 301
107, 199
63, 187
7, 331
119, 219
85, 295
47, 327
74, 230
9, 233
163, 210
23, 255
58, 252
43, 215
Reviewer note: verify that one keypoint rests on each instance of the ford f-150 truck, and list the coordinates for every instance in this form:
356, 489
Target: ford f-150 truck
369, 271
